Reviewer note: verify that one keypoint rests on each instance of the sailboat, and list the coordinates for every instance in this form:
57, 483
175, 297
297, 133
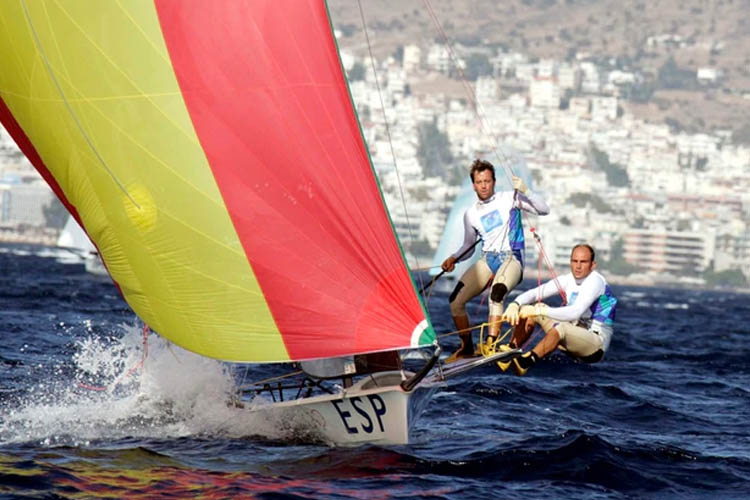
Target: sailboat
74, 239
212, 153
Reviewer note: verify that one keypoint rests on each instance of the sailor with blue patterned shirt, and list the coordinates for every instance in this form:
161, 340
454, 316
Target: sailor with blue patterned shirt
496, 219
582, 328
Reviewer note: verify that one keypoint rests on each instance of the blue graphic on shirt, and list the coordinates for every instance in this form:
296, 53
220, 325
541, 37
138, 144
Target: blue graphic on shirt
604, 308
572, 298
491, 220
515, 235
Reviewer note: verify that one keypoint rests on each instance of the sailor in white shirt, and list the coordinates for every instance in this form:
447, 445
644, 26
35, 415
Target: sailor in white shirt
582, 327
496, 219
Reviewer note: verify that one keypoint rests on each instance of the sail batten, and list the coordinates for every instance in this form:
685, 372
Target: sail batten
248, 225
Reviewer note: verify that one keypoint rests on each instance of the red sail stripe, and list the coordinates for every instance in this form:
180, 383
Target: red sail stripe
265, 91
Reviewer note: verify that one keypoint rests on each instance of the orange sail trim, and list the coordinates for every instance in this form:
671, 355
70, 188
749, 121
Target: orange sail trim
267, 97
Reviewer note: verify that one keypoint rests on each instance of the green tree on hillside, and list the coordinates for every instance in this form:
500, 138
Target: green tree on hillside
617, 263
357, 72
742, 135
617, 175
671, 76
55, 214
581, 199
729, 277
477, 65
434, 152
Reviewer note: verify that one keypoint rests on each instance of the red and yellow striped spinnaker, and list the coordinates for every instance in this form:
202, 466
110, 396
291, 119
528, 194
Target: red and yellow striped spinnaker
211, 151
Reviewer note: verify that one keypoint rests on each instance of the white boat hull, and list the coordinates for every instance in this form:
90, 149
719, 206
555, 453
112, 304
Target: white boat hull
375, 410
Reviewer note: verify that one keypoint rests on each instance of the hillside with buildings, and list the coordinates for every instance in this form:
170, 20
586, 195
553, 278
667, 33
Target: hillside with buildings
701, 44
631, 116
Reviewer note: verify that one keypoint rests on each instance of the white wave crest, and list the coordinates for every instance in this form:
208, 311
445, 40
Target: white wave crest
117, 393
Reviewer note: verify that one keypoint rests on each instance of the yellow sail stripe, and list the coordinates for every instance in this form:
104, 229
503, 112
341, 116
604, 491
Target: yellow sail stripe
176, 263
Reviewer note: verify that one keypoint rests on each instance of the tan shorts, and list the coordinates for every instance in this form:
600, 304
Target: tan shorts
577, 341
475, 280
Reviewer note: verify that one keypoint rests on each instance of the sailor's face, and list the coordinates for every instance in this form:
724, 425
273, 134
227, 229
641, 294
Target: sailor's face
580, 263
484, 184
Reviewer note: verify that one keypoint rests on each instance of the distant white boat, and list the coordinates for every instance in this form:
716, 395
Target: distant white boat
73, 238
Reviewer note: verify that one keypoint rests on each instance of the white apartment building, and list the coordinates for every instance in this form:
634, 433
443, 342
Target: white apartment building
603, 108
618, 77
24, 204
569, 77
669, 252
505, 64
412, 58
697, 145
591, 80
544, 93
707, 76
396, 82
486, 90
546, 68
438, 58
580, 106
713, 207
733, 252
525, 72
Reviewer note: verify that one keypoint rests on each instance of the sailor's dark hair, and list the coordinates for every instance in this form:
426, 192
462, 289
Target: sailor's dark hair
585, 245
481, 166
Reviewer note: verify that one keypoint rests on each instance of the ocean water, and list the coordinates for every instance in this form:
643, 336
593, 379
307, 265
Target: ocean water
83, 414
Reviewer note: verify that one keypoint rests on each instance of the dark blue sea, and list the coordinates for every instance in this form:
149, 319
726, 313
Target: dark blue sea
665, 415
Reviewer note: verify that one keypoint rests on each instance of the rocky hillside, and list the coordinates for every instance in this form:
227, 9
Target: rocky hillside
637, 35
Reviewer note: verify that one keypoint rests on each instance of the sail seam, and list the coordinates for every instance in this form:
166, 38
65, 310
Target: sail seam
73, 115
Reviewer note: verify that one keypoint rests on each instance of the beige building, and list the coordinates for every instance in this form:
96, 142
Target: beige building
670, 252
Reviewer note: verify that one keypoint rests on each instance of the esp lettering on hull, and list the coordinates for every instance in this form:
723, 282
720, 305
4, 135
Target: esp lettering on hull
362, 414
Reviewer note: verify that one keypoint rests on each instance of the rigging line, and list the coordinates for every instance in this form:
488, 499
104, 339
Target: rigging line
387, 129
479, 327
274, 379
476, 106
51, 72
550, 266
463, 254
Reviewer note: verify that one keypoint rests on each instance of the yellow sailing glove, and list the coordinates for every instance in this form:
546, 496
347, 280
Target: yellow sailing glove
511, 313
530, 311
519, 185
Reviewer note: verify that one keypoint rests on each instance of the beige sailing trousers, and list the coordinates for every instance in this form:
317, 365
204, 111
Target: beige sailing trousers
475, 279
577, 341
